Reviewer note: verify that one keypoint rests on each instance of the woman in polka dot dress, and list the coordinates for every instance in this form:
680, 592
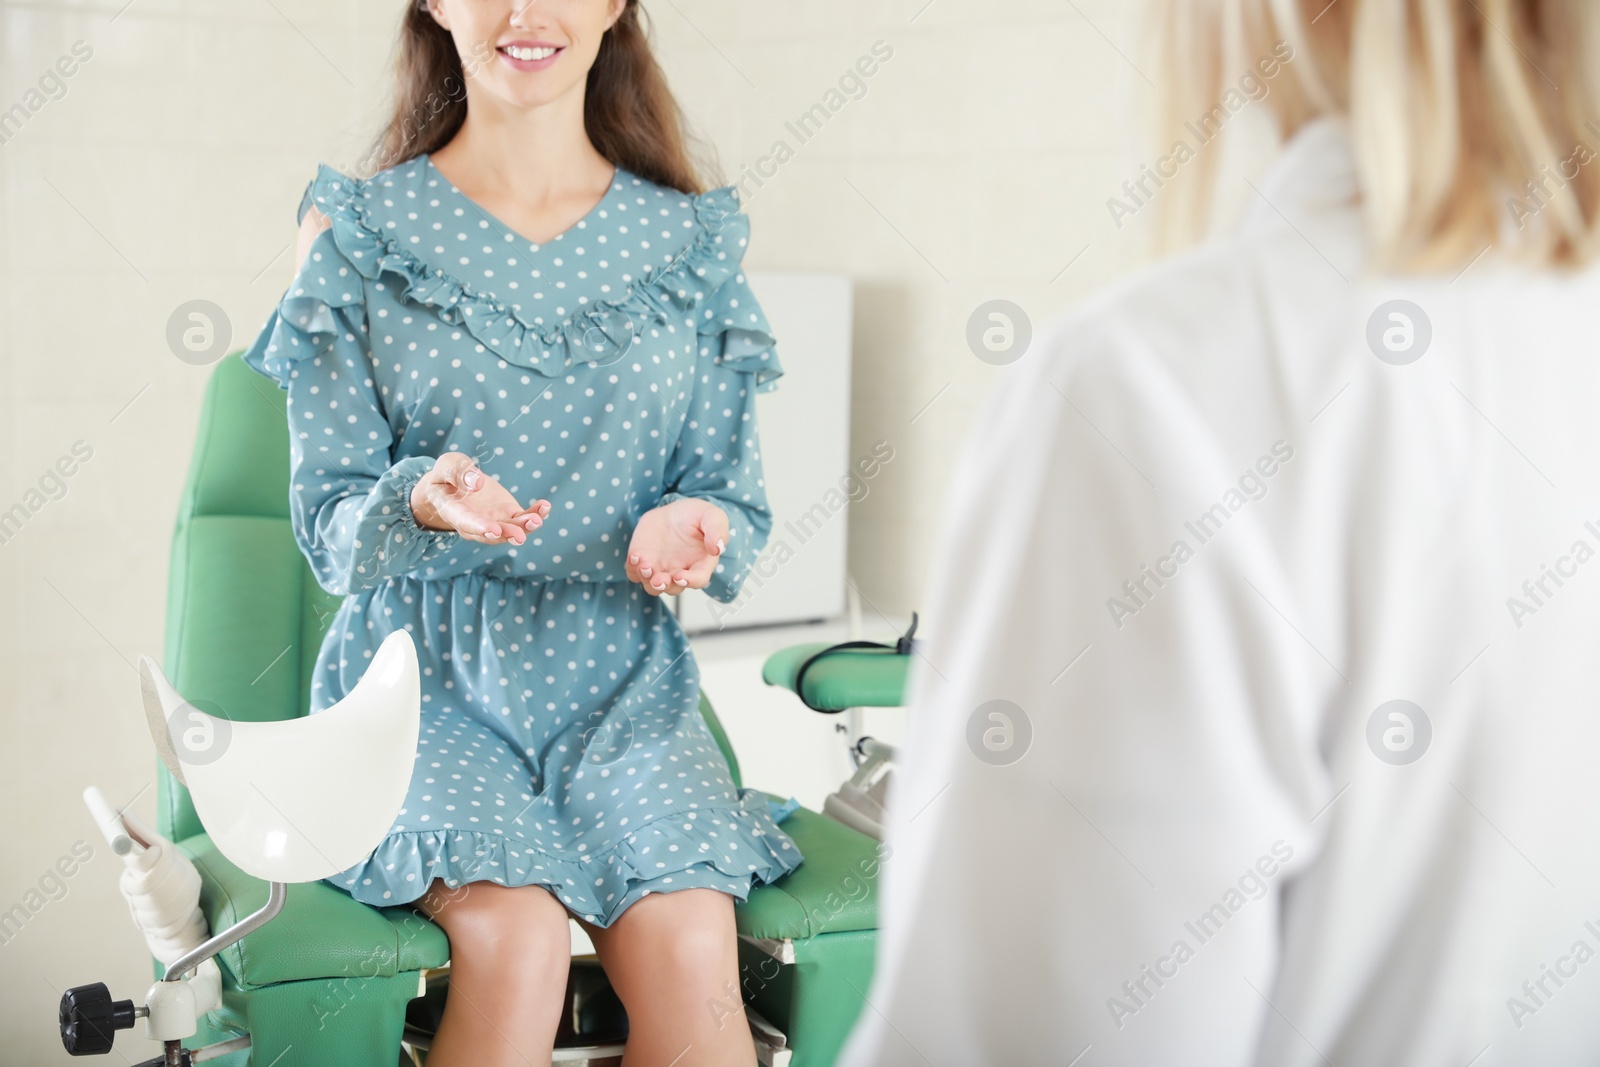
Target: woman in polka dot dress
521, 366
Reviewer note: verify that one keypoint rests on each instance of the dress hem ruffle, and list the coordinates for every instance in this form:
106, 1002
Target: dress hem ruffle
649, 858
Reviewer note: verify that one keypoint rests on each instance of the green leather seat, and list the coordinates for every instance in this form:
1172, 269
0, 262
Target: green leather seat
327, 982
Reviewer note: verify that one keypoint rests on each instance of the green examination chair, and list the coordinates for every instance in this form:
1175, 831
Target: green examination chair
330, 980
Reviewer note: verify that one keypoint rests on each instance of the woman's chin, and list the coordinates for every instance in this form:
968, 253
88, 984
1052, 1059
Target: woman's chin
526, 91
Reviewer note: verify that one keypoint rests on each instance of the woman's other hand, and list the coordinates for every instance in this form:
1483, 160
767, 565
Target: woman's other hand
676, 546
457, 495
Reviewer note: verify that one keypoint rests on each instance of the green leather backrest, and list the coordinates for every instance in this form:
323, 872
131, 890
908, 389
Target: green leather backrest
245, 617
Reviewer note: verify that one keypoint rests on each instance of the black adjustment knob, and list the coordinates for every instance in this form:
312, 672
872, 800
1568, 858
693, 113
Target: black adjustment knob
90, 1019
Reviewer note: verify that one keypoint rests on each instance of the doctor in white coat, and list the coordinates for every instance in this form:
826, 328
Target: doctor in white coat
1260, 724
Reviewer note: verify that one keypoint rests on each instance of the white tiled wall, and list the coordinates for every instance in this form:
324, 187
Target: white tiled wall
975, 166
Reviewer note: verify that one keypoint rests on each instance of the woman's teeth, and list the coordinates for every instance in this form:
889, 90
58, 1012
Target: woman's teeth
528, 54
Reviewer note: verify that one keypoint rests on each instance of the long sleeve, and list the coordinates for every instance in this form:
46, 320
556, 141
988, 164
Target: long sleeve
718, 455
350, 500
1103, 793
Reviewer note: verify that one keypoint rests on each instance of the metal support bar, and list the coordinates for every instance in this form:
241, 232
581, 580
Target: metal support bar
781, 950
276, 893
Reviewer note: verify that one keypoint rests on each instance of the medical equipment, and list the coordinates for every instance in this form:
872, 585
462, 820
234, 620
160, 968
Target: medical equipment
330, 980
285, 801
846, 677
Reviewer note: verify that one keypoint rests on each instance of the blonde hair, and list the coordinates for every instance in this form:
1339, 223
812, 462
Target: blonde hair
1473, 121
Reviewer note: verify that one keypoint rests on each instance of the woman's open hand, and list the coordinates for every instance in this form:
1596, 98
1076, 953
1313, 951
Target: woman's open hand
676, 546
457, 495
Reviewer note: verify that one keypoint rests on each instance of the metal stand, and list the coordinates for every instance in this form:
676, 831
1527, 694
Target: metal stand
90, 1019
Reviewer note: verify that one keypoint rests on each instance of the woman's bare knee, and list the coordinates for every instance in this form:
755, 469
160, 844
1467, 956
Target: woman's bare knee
683, 942
486, 920
700, 958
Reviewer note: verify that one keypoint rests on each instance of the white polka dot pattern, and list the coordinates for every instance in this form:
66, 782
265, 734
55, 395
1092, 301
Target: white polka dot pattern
609, 370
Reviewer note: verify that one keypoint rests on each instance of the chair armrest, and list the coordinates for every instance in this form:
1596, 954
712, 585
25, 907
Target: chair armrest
321, 932
852, 678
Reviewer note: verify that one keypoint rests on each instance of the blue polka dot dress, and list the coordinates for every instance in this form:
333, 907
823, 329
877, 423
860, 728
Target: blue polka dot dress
610, 370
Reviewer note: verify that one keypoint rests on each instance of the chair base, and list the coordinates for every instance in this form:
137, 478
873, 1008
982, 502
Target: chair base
816, 999
353, 1022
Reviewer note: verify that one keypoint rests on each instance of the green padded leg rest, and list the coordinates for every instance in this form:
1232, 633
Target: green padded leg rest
851, 678
816, 999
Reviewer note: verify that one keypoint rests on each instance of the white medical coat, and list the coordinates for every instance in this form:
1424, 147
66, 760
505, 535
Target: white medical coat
1201, 539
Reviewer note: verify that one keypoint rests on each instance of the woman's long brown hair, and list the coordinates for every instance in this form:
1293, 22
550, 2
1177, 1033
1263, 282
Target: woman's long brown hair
630, 114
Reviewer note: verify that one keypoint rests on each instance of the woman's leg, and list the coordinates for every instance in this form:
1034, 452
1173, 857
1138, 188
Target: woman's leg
510, 951
673, 958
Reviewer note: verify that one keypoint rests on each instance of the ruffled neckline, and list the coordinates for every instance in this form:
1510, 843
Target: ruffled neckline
599, 333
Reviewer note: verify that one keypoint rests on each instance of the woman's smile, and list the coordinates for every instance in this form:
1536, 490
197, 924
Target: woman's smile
530, 55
